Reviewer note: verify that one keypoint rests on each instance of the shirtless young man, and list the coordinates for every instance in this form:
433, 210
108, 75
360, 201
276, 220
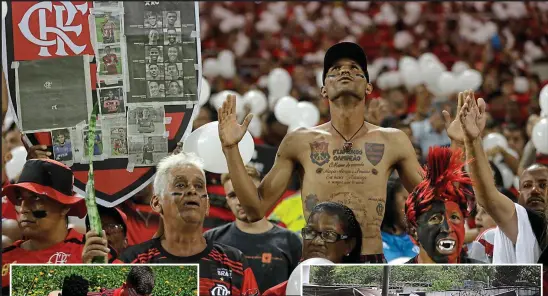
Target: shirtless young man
346, 160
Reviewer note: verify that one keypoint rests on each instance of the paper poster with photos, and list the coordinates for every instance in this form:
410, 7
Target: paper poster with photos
163, 52
63, 151
107, 20
49, 99
80, 144
114, 131
111, 101
145, 120
147, 150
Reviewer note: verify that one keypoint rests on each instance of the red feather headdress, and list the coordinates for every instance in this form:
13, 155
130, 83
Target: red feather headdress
443, 181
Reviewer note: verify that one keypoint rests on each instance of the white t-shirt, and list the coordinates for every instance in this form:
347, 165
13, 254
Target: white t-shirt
525, 251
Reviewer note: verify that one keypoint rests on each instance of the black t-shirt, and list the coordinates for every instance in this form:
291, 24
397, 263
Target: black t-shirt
271, 255
223, 269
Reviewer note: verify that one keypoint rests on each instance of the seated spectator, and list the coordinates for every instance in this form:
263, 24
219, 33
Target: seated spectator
331, 232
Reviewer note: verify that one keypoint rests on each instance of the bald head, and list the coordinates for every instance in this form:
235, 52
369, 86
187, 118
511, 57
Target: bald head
533, 192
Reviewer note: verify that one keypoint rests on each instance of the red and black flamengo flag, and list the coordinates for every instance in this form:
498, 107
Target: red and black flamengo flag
36, 30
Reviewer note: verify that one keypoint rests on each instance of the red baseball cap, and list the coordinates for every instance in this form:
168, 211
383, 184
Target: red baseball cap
49, 178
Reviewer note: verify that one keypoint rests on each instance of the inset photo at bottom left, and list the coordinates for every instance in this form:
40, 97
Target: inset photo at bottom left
103, 280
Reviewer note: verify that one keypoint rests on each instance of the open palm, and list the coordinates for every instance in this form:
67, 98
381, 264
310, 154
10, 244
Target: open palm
230, 131
472, 117
454, 127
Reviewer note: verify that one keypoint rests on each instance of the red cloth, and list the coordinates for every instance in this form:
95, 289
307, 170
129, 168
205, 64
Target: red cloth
68, 251
107, 292
8, 209
142, 222
278, 290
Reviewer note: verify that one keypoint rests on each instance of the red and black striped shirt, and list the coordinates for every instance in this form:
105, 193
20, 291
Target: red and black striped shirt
223, 269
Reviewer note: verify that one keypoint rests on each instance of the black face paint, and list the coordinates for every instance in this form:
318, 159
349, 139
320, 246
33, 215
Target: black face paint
430, 234
39, 214
176, 194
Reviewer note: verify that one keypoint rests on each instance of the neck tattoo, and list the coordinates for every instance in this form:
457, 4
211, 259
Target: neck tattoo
347, 146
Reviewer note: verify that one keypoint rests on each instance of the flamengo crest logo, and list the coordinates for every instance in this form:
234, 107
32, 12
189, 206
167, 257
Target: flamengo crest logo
219, 290
58, 34
58, 258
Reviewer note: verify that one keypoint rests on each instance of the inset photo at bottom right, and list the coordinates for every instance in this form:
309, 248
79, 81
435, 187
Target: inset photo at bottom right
422, 280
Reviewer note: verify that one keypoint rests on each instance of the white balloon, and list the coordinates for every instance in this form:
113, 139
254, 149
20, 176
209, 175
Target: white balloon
220, 98
543, 99
319, 78
411, 76
211, 67
459, 67
431, 71
279, 81
16, 163
408, 62
469, 79
207, 145
228, 70
493, 140
226, 56
426, 58
447, 83
309, 115
256, 99
402, 39
521, 84
506, 173
286, 110
540, 136
294, 282
255, 127
205, 92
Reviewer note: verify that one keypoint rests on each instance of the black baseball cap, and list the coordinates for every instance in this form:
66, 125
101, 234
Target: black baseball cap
348, 50
49, 178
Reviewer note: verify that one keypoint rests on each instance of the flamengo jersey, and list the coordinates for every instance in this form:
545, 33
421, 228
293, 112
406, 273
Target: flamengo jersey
68, 251
223, 269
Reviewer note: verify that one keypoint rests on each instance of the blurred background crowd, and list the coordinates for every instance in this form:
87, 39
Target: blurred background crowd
420, 55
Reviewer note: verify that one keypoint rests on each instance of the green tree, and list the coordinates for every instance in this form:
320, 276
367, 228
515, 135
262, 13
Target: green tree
364, 275
322, 275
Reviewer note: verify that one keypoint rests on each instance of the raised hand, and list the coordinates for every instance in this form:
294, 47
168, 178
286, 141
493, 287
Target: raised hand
472, 117
230, 131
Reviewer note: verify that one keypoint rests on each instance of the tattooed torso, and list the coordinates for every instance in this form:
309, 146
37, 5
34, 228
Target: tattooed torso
355, 178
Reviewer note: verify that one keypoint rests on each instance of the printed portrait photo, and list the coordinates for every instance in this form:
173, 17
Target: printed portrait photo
97, 145
110, 60
147, 150
146, 120
62, 145
155, 71
156, 89
174, 71
118, 141
155, 37
173, 54
153, 20
174, 88
172, 19
107, 27
112, 100
154, 54
172, 36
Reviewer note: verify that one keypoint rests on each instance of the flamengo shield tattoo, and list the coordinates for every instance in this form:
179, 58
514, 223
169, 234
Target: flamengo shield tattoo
319, 153
374, 152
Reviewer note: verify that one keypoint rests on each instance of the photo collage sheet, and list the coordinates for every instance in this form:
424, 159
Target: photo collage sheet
138, 74
162, 54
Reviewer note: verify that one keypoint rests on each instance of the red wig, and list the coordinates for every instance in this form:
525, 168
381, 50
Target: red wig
443, 170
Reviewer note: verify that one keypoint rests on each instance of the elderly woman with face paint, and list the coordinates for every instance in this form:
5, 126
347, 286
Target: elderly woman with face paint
437, 209
331, 232
180, 197
43, 198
